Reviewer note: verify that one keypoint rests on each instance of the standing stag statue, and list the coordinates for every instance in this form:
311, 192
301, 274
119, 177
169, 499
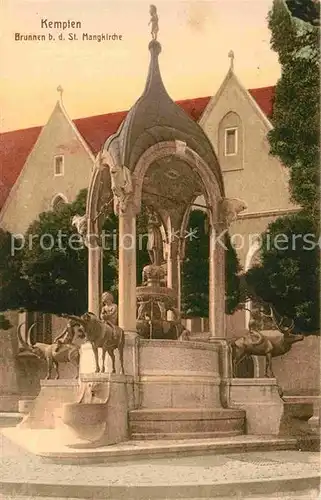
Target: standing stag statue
268, 343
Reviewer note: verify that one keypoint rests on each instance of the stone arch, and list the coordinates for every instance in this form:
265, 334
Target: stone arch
231, 123
58, 201
213, 191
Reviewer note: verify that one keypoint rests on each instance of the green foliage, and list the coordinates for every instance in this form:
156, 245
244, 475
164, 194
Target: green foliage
195, 269
4, 323
195, 286
307, 10
12, 287
50, 273
295, 138
54, 265
142, 257
289, 276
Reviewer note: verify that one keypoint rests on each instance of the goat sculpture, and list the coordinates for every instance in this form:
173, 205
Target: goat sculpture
55, 353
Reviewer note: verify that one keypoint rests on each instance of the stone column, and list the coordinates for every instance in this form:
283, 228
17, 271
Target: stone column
216, 285
174, 270
212, 276
94, 277
127, 271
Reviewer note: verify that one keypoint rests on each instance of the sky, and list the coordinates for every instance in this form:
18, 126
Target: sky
109, 76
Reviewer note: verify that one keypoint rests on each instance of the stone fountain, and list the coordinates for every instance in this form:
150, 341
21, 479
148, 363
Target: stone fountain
157, 313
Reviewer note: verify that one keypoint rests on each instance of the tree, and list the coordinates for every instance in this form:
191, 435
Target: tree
306, 10
50, 272
195, 288
195, 269
12, 287
296, 112
4, 323
288, 277
54, 262
233, 293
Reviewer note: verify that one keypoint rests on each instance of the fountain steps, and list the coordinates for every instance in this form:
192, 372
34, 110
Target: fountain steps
185, 423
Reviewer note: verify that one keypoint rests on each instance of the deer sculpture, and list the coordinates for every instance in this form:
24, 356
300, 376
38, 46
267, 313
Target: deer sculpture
60, 351
268, 343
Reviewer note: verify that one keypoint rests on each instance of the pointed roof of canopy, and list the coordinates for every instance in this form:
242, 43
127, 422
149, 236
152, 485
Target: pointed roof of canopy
154, 118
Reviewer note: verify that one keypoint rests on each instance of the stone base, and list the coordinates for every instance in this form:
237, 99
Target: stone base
174, 374
8, 419
52, 395
49, 444
9, 402
260, 398
185, 423
100, 416
302, 419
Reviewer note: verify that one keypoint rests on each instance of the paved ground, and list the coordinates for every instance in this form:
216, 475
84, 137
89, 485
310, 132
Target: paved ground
18, 466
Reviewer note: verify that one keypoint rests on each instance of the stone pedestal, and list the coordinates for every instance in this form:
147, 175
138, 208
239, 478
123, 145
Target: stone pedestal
176, 374
180, 393
100, 416
302, 419
314, 421
53, 394
9, 390
260, 398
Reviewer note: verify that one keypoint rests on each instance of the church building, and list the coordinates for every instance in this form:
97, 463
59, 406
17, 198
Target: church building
43, 167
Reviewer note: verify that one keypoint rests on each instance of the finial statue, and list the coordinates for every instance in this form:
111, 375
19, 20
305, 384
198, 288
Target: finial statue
153, 21
60, 91
231, 56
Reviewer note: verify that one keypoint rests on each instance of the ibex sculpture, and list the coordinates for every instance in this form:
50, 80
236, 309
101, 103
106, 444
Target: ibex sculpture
269, 343
60, 351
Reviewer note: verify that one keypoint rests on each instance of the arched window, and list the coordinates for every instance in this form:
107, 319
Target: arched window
58, 201
230, 142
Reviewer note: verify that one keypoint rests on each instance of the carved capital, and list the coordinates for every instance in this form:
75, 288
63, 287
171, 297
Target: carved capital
122, 189
80, 222
229, 208
103, 160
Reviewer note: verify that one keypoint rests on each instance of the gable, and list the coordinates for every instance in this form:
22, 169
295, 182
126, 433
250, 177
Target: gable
58, 140
16, 146
238, 131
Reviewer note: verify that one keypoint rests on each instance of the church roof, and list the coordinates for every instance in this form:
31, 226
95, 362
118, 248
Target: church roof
156, 118
16, 145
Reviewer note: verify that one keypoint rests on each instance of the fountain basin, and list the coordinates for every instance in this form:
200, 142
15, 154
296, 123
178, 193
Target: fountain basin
157, 329
85, 421
84, 414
